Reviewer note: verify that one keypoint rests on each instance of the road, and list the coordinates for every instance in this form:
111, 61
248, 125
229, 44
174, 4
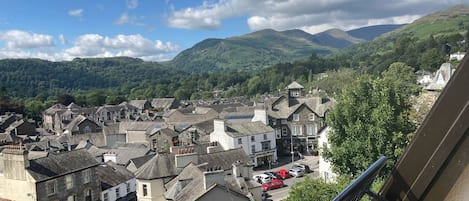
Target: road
282, 193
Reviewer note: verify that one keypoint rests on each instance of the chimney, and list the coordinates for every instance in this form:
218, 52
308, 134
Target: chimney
186, 156
213, 147
15, 162
260, 115
214, 175
240, 169
219, 126
110, 156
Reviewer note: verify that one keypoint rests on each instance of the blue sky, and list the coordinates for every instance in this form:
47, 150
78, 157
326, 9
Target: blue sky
157, 30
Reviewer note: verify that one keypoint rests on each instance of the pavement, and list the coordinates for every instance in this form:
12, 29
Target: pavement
286, 163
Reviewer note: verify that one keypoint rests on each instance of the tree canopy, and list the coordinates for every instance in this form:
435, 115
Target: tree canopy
371, 119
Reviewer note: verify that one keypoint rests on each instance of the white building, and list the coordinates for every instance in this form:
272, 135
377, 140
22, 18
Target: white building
325, 167
256, 138
457, 56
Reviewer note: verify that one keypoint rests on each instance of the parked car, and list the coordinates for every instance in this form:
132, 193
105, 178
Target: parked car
262, 178
302, 166
296, 172
272, 184
283, 173
274, 175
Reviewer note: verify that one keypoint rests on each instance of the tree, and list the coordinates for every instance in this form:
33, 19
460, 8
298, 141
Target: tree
310, 189
65, 99
371, 119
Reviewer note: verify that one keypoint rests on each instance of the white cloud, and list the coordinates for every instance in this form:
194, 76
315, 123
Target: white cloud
21, 44
132, 4
76, 13
95, 45
310, 15
16, 39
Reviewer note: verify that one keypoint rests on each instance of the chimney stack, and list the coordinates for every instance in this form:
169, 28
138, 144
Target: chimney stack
15, 162
213, 175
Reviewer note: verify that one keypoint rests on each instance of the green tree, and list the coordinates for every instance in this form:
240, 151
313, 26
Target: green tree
371, 119
318, 190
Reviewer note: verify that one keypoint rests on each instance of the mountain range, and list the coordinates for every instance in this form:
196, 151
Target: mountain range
267, 47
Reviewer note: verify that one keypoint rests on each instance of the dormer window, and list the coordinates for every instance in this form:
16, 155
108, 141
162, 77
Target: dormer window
311, 117
296, 117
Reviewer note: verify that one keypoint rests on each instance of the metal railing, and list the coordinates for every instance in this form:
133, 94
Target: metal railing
361, 186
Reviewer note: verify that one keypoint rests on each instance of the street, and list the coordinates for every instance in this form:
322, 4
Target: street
285, 163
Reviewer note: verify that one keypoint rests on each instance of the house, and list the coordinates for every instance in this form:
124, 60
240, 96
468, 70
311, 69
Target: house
59, 176
116, 113
141, 105
161, 139
117, 183
204, 183
197, 133
163, 167
164, 104
83, 128
458, 56
297, 119
256, 138
137, 162
325, 167
441, 77
16, 124
136, 132
56, 117
184, 117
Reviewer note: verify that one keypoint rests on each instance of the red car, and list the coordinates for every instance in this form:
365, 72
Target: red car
272, 184
283, 173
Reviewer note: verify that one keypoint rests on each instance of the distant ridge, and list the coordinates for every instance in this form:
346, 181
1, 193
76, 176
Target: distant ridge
372, 32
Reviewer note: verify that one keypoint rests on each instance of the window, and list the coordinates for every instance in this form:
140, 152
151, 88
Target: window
296, 117
294, 93
51, 187
253, 139
71, 198
311, 129
240, 141
311, 117
296, 130
253, 148
283, 121
265, 146
128, 187
105, 197
265, 136
69, 181
144, 190
118, 193
86, 176
278, 133
154, 143
284, 131
88, 196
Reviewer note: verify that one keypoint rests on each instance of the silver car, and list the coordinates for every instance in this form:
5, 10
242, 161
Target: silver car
296, 172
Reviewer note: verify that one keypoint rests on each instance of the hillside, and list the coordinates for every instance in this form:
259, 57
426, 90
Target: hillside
371, 32
259, 50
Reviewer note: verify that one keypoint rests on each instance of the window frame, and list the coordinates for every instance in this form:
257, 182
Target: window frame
240, 141
69, 181
144, 190
86, 176
296, 117
53, 184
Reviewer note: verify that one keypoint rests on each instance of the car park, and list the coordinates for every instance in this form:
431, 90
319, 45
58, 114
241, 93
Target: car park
283, 173
272, 184
262, 178
296, 172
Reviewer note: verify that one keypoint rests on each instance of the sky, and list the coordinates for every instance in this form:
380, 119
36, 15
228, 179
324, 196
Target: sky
157, 30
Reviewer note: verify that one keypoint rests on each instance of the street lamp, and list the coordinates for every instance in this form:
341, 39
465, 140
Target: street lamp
291, 147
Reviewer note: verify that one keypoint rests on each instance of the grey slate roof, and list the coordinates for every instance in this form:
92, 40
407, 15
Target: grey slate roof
295, 85
164, 131
225, 159
140, 104
60, 164
54, 108
111, 174
73, 125
164, 103
139, 161
240, 129
279, 106
160, 166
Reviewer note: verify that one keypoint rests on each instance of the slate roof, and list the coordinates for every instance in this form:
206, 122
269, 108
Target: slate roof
189, 185
164, 131
225, 159
73, 125
279, 106
139, 161
240, 129
140, 104
441, 77
160, 166
54, 108
164, 103
295, 85
111, 174
60, 164
138, 126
